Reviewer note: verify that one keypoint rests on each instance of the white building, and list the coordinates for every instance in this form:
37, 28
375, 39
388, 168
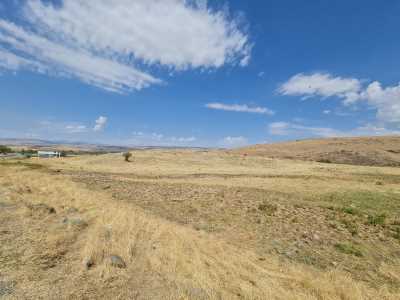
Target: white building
48, 154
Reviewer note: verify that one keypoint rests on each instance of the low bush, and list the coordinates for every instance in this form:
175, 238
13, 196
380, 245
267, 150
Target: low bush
376, 220
127, 156
5, 149
268, 208
348, 249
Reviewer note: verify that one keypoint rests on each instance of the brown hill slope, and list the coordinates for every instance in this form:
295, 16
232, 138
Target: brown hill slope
366, 151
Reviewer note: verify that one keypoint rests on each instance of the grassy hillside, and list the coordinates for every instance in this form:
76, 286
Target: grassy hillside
366, 151
197, 225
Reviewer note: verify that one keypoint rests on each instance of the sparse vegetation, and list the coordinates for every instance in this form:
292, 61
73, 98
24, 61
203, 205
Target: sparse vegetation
396, 233
348, 249
127, 156
324, 161
376, 219
362, 151
350, 210
5, 149
268, 208
175, 219
351, 226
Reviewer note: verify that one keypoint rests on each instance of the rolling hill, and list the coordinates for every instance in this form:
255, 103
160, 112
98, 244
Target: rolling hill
365, 151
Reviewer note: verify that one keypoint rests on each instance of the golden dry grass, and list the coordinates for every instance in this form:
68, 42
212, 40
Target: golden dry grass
148, 212
369, 151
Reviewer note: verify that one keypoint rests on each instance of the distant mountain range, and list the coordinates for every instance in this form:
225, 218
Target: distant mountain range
78, 146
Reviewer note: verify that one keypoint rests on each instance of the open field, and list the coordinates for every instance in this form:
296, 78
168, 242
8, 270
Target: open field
197, 225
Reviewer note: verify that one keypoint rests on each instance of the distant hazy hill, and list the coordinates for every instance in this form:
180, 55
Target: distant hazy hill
77, 146
23, 142
372, 151
61, 145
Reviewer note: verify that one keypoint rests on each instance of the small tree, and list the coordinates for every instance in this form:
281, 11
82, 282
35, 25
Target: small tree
5, 149
127, 156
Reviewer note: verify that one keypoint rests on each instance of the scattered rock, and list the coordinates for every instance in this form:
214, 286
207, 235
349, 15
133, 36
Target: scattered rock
316, 237
117, 262
201, 227
4, 205
268, 208
107, 187
72, 210
6, 288
197, 293
88, 263
42, 208
77, 222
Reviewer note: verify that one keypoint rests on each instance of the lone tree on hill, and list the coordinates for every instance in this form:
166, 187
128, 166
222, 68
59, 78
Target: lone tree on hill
127, 156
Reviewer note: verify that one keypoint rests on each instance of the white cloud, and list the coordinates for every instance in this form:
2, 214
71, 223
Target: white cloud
100, 123
13, 62
293, 129
234, 141
296, 130
34, 52
240, 108
184, 139
327, 112
279, 128
385, 100
75, 128
322, 85
104, 42
140, 138
138, 133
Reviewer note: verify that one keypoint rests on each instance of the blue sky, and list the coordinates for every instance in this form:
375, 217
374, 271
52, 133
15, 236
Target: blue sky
198, 73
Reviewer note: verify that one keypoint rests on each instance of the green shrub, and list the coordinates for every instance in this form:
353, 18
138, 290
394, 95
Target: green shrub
350, 210
5, 149
324, 161
127, 156
348, 249
376, 220
351, 227
268, 208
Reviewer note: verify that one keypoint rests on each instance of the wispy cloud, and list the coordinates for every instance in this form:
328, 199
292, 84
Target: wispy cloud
234, 141
294, 130
74, 39
140, 138
76, 128
322, 85
36, 53
240, 108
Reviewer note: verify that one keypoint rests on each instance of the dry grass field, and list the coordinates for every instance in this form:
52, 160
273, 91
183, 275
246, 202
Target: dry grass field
198, 225
368, 151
